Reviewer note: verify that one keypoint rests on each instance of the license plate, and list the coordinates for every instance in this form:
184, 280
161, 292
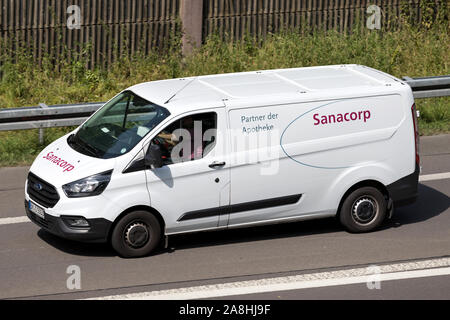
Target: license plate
36, 210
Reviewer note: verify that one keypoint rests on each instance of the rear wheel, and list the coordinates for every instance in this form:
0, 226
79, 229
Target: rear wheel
137, 234
363, 210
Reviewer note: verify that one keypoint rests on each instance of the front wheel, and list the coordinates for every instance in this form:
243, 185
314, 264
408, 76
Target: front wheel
136, 235
363, 210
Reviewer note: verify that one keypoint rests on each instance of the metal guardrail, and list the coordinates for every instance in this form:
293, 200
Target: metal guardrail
429, 87
44, 116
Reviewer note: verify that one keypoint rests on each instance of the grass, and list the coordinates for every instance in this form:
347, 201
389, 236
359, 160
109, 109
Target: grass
434, 115
409, 51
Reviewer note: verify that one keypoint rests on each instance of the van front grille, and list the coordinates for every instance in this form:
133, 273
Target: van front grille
42, 192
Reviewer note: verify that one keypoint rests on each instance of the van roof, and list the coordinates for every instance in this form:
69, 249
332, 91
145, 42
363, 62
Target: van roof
235, 88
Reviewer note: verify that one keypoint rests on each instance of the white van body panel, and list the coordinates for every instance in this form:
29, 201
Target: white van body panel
318, 130
327, 159
51, 163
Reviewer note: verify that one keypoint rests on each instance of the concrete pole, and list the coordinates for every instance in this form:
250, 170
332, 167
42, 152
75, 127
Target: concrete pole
191, 12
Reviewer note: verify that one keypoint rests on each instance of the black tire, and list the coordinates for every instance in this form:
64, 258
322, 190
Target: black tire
137, 234
363, 210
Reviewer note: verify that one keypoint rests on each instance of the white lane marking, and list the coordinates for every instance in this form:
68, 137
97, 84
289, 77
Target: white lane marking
418, 269
435, 176
422, 178
14, 220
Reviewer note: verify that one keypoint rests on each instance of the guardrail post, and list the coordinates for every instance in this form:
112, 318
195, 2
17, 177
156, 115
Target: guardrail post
41, 136
191, 12
41, 130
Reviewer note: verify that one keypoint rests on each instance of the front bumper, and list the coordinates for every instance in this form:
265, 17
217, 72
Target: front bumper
98, 230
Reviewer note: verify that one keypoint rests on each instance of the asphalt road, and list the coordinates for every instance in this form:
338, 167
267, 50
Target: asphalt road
34, 264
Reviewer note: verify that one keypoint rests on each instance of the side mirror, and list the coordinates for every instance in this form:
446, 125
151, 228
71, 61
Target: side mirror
153, 157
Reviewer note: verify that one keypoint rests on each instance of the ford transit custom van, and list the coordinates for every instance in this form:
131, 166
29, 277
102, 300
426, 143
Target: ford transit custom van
231, 150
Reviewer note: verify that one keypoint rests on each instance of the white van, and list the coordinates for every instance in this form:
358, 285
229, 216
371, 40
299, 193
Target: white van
231, 150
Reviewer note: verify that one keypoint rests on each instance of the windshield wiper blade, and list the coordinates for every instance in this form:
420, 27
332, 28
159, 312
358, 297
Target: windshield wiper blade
78, 141
91, 149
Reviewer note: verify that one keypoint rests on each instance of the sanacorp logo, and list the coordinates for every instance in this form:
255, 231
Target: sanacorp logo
59, 162
341, 117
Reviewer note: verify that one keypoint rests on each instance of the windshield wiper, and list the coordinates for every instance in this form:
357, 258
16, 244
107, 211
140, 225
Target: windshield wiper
85, 146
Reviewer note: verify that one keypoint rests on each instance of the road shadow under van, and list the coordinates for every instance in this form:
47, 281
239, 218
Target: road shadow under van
77, 248
430, 203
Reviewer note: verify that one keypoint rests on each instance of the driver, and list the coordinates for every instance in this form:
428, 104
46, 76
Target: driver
171, 140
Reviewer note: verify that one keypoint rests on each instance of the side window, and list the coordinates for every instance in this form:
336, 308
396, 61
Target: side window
187, 139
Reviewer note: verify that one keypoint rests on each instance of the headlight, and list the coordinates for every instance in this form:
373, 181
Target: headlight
87, 187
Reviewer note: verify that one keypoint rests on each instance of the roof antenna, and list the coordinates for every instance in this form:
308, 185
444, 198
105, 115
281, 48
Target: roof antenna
180, 90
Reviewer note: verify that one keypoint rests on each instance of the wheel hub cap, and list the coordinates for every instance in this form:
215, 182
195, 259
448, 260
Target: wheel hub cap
136, 235
364, 210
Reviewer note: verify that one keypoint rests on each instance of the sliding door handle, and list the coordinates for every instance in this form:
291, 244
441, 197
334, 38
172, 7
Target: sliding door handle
217, 164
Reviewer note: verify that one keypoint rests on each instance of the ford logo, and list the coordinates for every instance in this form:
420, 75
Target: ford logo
38, 186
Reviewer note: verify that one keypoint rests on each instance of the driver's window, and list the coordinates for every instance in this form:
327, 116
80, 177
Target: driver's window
189, 138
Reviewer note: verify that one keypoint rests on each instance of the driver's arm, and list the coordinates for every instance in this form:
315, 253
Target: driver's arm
167, 137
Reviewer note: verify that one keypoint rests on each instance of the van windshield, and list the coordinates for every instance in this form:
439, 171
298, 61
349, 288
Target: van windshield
118, 126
